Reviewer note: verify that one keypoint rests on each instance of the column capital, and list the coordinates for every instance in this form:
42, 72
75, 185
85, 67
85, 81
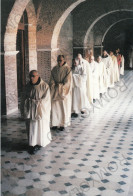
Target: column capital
9, 53
98, 46
47, 49
78, 47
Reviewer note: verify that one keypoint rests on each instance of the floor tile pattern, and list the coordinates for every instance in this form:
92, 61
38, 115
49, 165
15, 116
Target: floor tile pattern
92, 157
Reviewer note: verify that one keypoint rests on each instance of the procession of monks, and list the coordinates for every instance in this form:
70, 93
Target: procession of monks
70, 92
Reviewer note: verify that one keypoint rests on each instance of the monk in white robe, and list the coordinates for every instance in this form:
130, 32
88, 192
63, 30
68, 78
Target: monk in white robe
80, 102
89, 81
102, 76
130, 57
95, 74
88, 54
115, 67
106, 59
119, 59
122, 65
35, 108
61, 94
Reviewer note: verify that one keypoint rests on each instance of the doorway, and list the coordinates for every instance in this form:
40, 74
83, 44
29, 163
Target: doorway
22, 56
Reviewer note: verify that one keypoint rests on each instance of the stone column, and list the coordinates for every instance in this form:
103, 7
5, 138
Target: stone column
79, 50
32, 47
44, 63
98, 49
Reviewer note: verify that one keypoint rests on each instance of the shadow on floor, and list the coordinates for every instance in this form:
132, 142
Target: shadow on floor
13, 145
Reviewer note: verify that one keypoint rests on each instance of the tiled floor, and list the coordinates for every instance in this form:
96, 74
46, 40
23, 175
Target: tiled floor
93, 157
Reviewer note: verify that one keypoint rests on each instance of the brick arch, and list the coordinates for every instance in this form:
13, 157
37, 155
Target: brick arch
112, 26
57, 28
10, 49
60, 22
32, 36
12, 27
95, 21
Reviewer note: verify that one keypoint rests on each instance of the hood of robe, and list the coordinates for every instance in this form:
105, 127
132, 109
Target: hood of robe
40, 81
104, 56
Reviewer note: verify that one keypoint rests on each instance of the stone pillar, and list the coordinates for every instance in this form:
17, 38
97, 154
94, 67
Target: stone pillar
44, 63
11, 89
3, 94
89, 52
54, 54
32, 47
98, 49
79, 50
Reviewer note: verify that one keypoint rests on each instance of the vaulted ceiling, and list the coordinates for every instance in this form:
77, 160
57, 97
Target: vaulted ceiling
99, 17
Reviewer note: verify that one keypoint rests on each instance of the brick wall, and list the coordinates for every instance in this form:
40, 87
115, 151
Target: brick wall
44, 64
5, 10
48, 16
11, 83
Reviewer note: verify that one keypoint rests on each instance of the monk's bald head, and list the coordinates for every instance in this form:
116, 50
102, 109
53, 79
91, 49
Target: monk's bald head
79, 56
61, 60
34, 76
33, 71
99, 58
91, 59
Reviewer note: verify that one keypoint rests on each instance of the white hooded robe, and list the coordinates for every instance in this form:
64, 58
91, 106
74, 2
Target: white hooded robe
102, 77
122, 65
61, 95
109, 70
115, 68
80, 101
36, 106
89, 81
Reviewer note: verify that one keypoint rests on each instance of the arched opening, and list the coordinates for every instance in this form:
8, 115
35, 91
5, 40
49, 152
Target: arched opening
57, 29
119, 35
23, 55
112, 26
10, 52
95, 21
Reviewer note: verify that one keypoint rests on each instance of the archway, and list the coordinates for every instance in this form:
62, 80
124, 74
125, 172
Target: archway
112, 26
10, 50
95, 21
57, 29
119, 35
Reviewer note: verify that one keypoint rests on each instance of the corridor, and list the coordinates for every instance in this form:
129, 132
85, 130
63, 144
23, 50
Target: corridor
92, 157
